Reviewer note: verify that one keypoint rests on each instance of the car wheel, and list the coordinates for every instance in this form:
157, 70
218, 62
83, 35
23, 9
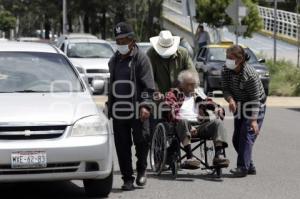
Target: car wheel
99, 187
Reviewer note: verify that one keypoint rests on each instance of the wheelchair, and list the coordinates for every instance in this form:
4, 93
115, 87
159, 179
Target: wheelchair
165, 151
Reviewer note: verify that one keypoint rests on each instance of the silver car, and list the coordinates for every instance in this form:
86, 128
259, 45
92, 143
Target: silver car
50, 127
92, 55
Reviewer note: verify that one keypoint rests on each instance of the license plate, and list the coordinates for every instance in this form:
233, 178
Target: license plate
28, 159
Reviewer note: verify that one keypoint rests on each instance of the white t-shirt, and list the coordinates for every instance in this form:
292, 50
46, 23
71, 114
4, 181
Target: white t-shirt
188, 109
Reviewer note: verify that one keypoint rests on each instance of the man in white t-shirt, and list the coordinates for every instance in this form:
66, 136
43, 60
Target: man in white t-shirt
189, 109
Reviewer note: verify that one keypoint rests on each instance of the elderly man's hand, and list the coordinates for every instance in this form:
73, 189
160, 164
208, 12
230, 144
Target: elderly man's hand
219, 112
144, 114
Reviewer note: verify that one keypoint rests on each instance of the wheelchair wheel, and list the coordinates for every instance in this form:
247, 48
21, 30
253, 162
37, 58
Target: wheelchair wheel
207, 154
158, 151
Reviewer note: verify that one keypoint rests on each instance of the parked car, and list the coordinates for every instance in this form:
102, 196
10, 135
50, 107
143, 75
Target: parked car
62, 38
144, 46
210, 60
50, 127
93, 56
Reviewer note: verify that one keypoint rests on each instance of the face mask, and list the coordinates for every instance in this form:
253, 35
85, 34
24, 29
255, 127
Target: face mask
123, 49
230, 64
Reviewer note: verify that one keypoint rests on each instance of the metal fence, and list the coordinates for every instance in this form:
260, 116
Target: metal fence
286, 21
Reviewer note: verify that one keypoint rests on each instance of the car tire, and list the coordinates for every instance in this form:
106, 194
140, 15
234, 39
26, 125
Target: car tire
98, 187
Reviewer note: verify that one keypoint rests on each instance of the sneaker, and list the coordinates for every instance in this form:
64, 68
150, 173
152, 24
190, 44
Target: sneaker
127, 186
191, 163
222, 162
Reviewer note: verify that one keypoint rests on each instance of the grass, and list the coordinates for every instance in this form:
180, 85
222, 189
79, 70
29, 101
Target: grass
285, 78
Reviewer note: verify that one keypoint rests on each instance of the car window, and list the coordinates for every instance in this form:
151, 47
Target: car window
89, 50
217, 54
144, 48
253, 58
37, 72
62, 48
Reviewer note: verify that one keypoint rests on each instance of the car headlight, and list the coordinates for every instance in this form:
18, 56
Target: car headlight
215, 72
263, 73
90, 126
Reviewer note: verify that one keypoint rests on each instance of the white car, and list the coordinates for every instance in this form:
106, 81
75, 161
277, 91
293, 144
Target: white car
92, 55
50, 127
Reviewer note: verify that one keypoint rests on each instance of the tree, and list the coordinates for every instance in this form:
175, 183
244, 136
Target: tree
213, 13
7, 20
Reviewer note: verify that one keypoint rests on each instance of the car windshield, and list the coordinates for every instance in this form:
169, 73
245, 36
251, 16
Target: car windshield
89, 50
219, 54
37, 72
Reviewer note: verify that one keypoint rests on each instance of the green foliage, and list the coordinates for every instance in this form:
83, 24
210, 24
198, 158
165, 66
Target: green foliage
91, 16
213, 13
285, 78
7, 20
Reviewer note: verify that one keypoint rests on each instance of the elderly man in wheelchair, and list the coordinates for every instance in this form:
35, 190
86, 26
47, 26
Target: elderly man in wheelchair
187, 111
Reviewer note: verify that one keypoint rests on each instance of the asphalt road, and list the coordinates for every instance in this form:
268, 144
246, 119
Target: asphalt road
276, 155
265, 45
258, 43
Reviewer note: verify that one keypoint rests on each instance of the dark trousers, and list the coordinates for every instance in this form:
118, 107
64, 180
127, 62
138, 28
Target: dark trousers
243, 139
124, 131
202, 44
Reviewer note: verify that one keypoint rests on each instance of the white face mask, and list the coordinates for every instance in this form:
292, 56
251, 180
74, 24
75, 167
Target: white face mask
230, 64
123, 49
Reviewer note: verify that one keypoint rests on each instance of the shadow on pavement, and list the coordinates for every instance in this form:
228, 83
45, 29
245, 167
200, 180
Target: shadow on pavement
185, 177
45, 190
294, 109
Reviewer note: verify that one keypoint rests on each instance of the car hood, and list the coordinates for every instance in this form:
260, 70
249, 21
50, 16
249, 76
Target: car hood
93, 63
35, 109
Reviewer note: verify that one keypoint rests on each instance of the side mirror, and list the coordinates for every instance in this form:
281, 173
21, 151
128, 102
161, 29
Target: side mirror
262, 61
97, 85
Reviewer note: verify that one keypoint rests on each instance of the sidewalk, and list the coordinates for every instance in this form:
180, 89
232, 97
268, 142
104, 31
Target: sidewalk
272, 101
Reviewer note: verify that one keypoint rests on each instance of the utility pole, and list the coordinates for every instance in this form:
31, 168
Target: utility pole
191, 22
65, 23
237, 23
298, 32
275, 32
